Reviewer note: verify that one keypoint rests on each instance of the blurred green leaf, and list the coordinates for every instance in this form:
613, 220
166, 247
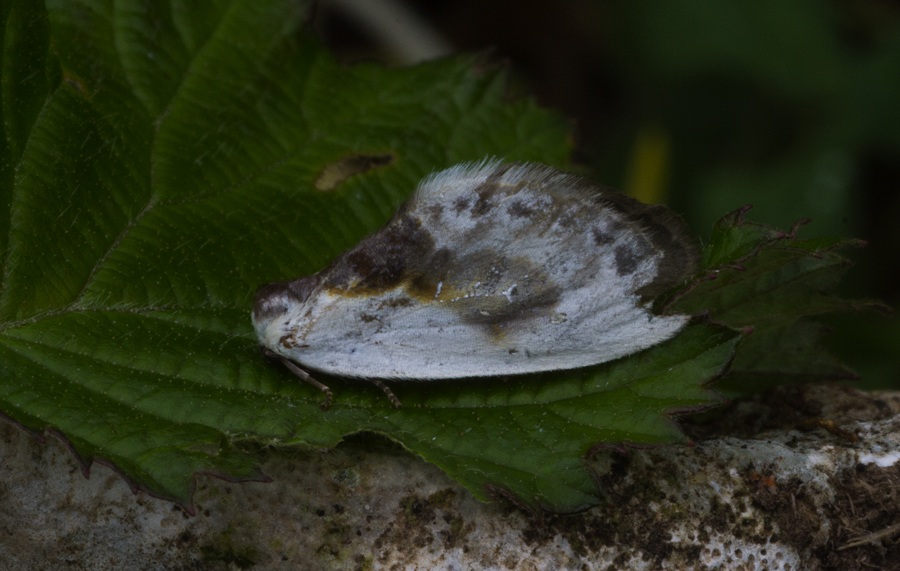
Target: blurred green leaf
787, 46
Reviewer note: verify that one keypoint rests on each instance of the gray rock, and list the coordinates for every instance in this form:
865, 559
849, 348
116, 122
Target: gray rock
799, 478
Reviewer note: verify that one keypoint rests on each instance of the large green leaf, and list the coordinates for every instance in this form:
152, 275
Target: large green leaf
162, 159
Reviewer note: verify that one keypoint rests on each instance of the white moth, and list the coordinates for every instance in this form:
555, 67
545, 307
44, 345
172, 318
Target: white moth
489, 269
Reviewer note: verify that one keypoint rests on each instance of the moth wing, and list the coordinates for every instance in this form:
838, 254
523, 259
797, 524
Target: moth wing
521, 236
496, 269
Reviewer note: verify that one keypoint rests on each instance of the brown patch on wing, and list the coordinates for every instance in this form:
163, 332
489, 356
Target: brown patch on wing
667, 233
430, 271
519, 208
488, 191
602, 238
272, 300
483, 289
460, 204
484, 203
626, 259
382, 261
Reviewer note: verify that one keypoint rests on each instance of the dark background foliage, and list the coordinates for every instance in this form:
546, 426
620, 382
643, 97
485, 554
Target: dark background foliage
791, 107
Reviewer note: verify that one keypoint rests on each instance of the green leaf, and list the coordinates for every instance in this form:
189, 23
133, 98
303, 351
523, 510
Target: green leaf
757, 278
160, 161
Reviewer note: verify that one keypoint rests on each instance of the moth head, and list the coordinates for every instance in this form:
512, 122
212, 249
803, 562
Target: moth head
274, 301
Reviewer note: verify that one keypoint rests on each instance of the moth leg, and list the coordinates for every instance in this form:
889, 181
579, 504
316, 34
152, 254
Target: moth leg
395, 402
306, 378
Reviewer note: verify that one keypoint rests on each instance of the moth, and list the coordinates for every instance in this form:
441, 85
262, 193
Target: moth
490, 269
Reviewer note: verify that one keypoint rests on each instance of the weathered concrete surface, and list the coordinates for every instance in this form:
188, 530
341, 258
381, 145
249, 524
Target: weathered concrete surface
801, 478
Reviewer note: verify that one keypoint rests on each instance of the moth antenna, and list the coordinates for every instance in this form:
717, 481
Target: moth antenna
307, 378
395, 402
